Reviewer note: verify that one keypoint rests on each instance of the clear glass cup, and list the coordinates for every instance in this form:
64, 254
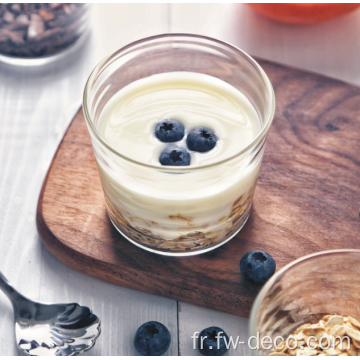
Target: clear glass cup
324, 283
37, 33
140, 198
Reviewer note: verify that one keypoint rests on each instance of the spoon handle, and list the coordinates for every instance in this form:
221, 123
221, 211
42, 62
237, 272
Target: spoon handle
9, 291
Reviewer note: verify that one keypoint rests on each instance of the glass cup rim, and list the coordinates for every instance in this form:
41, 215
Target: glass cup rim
262, 294
270, 91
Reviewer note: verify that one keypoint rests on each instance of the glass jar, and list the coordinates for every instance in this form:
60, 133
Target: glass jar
39, 31
324, 283
178, 210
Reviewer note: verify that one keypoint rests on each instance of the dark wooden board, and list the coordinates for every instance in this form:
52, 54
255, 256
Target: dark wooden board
307, 200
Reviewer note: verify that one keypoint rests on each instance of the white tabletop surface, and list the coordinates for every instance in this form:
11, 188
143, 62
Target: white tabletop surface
36, 106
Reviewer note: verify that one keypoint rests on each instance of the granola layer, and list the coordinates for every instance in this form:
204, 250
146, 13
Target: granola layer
192, 238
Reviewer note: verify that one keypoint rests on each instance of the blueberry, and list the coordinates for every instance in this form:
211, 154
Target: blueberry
211, 341
174, 156
152, 339
257, 266
201, 139
169, 130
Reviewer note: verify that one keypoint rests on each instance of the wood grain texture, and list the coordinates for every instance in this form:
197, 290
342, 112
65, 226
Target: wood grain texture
307, 200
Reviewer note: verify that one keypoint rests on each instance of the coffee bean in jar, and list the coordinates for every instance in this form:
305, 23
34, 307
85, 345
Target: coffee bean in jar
40, 30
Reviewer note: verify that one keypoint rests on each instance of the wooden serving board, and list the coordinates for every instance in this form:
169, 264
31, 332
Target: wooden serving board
307, 200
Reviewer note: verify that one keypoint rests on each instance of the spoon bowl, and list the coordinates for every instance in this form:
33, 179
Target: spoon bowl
51, 329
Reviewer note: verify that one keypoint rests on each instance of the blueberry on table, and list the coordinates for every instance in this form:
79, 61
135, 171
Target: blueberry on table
213, 341
174, 156
169, 130
152, 339
257, 266
201, 139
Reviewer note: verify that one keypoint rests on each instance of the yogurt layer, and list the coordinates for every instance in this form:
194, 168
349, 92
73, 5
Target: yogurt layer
128, 121
183, 210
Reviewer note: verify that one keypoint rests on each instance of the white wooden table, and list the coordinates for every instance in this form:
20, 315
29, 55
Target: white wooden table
36, 105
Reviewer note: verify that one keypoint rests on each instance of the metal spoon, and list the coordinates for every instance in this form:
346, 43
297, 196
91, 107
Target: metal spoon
51, 329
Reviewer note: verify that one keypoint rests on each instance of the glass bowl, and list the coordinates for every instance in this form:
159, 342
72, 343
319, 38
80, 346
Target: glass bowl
34, 34
324, 283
